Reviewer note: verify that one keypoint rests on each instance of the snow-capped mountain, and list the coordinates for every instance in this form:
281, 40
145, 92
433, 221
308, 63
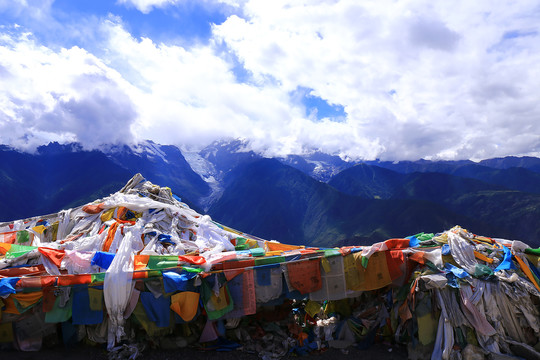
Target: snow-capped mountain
162, 164
225, 155
299, 199
319, 166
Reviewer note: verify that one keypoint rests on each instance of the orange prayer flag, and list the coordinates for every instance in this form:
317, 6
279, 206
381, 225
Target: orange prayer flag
27, 270
8, 237
68, 280
397, 243
394, 259
141, 261
192, 259
377, 274
4, 248
140, 275
9, 306
274, 253
185, 304
235, 267
29, 282
305, 276
54, 255
93, 209
525, 268
28, 299
110, 237
418, 257
275, 246
483, 257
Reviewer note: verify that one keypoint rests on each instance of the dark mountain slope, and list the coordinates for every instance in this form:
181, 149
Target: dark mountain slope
523, 176
513, 178
371, 181
439, 188
407, 167
527, 162
64, 176
509, 213
368, 181
267, 199
19, 195
54, 179
278, 202
516, 212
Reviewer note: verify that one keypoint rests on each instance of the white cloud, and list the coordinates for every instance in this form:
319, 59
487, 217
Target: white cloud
191, 96
145, 6
64, 95
409, 74
415, 78
34, 9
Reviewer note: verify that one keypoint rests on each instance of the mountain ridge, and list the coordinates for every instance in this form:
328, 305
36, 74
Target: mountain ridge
294, 198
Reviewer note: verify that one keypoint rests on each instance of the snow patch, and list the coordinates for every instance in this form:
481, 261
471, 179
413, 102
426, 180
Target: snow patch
149, 148
207, 171
323, 171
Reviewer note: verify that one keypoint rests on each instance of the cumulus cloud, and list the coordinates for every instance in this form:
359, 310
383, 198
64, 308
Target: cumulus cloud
191, 96
413, 79
145, 6
433, 34
418, 79
63, 95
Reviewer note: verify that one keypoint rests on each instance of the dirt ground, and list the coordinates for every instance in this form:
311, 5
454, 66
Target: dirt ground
377, 351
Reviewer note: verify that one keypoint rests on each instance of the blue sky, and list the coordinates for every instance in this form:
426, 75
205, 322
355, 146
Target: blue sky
373, 79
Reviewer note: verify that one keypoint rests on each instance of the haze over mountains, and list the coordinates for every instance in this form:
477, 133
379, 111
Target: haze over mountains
316, 199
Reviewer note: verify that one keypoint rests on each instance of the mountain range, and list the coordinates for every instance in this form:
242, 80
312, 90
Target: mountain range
315, 199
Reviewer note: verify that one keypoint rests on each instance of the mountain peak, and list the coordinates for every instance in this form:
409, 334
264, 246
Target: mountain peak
55, 148
231, 145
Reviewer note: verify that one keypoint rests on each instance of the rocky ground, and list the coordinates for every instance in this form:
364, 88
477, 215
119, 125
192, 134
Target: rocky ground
377, 351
